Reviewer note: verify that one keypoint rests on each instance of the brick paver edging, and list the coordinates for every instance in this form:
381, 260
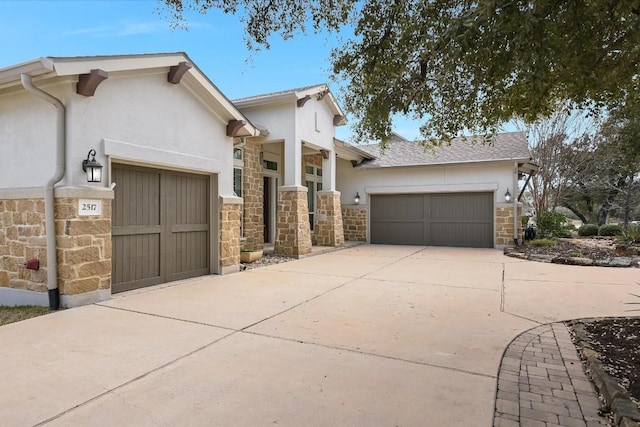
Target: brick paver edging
541, 383
616, 399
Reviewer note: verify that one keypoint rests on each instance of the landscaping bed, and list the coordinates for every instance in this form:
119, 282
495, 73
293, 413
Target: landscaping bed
602, 252
610, 349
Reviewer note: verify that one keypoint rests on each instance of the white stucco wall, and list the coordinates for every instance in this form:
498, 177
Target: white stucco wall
496, 177
27, 140
139, 118
311, 124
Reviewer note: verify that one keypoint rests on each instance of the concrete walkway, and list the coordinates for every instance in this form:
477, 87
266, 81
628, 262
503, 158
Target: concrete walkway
372, 335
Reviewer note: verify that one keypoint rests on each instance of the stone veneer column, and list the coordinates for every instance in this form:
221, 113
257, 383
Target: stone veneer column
230, 208
293, 237
354, 218
84, 252
328, 229
83, 247
252, 194
504, 224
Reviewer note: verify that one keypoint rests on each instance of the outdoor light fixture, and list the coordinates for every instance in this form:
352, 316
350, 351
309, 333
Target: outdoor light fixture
507, 196
92, 167
356, 199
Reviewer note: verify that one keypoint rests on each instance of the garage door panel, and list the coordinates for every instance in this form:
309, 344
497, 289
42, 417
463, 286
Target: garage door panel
162, 226
397, 233
439, 219
136, 261
391, 207
467, 235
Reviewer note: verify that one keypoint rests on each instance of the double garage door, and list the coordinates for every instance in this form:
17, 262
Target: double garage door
440, 219
160, 226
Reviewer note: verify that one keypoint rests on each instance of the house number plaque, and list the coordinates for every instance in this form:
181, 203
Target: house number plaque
89, 207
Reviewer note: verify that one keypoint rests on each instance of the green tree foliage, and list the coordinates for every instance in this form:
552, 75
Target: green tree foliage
605, 173
552, 224
462, 65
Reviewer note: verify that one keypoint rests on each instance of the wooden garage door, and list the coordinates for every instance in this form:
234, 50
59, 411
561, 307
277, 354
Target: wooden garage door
441, 219
160, 226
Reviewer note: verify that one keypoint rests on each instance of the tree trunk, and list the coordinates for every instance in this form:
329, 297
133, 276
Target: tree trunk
577, 212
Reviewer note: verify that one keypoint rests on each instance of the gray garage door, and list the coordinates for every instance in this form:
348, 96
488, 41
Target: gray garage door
160, 227
442, 219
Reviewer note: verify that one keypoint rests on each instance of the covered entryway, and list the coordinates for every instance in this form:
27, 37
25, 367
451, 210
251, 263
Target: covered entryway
439, 219
160, 226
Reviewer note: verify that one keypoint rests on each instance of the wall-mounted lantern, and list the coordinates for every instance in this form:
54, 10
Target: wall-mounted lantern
356, 199
507, 196
92, 168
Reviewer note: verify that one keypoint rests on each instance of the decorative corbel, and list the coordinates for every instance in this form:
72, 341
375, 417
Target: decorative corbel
337, 119
322, 94
234, 126
177, 71
88, 83
354, 163
325, 154
301, 101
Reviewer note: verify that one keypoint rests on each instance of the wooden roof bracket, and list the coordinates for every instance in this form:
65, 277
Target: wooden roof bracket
177, 71
88, 83
234, 126
301, 101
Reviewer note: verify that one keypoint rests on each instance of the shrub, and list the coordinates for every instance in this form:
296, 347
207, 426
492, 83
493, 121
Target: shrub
609, 230
588, 230
551, 224
542, 242
630, 235
565, 233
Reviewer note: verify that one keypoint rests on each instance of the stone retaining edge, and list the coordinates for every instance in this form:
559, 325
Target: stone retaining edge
624, 410
618, 262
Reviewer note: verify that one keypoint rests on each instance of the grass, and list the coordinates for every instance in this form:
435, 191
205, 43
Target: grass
542, 242
21, 312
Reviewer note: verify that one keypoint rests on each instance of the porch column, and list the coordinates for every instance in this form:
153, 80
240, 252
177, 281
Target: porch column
293, 234
328, 229
252, 193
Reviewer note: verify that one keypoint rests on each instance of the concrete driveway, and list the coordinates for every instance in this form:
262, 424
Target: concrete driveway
372, 335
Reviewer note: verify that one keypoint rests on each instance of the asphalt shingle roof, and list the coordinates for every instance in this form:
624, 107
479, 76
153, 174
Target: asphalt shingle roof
401, 152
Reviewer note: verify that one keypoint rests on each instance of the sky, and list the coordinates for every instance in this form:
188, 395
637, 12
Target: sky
31, 29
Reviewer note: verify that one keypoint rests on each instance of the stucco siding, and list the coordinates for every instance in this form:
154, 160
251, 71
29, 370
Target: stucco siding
147, 112
472, 177
27, 140
320, 131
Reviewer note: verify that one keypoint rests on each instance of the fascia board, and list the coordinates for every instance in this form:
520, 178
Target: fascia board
34, 68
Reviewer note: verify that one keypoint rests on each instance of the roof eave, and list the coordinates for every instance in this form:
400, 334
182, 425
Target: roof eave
33, 68
465, 162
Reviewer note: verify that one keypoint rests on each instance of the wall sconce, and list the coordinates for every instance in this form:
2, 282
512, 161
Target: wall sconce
356, 199
507, 196
92, 168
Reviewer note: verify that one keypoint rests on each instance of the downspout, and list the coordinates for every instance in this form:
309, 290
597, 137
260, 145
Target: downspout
52, 265
516, 220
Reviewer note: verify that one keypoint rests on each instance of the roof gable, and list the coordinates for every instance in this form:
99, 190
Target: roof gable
43, 69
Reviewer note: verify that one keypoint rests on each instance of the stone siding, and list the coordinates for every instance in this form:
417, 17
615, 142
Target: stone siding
83, 246
354, 219
328, 230
293, 237
252, 194
229, 233
504, 225
22, 232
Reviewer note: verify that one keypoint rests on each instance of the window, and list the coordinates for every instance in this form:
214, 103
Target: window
237, 182
237, 154
268, 164
313, 182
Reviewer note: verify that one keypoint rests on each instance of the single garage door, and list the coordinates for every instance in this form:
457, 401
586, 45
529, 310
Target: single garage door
160, 226
440, 219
